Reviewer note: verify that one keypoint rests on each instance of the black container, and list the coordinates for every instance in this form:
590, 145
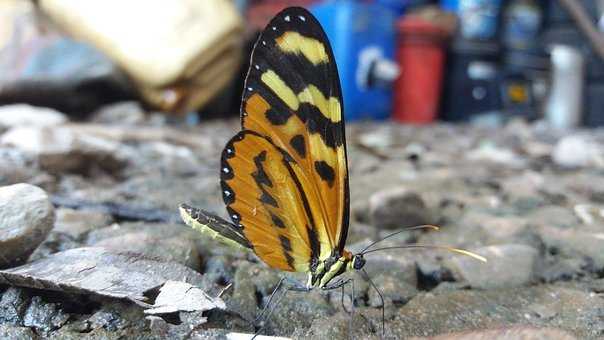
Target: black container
556, 14
594, 104
472, 82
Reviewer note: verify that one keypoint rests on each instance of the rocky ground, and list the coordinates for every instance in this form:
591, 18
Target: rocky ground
91, 244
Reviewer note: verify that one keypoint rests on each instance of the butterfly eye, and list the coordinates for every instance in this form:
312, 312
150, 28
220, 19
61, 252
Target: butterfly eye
358, 261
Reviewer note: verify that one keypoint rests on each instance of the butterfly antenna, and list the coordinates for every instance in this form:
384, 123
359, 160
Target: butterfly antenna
424, 226
431, 246
368, 279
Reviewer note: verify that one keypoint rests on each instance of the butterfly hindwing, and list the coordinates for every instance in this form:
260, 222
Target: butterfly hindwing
265, 198
292, 96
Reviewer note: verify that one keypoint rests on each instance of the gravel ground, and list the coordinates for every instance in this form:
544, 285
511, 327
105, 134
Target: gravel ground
529, 199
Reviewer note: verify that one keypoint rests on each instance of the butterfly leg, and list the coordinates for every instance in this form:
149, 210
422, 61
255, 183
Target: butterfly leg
342, 284
286, 284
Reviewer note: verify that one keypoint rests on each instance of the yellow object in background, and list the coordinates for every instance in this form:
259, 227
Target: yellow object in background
178, 53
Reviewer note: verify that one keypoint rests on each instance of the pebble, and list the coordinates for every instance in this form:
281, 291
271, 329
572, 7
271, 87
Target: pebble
26, 218
577, 151
26, 115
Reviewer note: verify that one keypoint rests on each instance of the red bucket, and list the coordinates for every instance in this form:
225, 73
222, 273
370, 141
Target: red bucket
421, 57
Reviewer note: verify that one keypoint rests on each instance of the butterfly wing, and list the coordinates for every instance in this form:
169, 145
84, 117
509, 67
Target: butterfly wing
292, 96
265, 199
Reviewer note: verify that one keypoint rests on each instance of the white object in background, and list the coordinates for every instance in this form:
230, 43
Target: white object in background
564, 105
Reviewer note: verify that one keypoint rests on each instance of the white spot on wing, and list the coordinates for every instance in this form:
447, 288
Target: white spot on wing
274, 28
263, 42
225, 170
287, 18
250, 88
302, 17
256, 67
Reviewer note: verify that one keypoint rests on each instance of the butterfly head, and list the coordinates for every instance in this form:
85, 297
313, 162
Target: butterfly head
357, 262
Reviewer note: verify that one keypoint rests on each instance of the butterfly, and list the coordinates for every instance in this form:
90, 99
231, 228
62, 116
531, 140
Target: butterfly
284, 176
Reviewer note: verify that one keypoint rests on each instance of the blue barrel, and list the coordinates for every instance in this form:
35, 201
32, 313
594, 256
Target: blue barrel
360, 34
449, 5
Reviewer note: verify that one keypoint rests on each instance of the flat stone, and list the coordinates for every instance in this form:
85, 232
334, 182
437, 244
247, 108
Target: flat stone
509, 265
397, 208
97, 271
26, 218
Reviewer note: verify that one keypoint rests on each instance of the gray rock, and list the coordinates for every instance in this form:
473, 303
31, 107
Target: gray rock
17, 333
44, 316
509, 265
13, 304
26, 218
79, 222
64, 149
397, 208
575, 243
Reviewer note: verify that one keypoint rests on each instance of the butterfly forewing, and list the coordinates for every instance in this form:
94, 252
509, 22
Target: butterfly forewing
292, 96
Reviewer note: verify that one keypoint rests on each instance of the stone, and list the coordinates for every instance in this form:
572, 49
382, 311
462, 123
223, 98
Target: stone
13, 304
397, 208
576, 151
99, 272
44, 316
27, 115
509, 265
16, 333
77, 223
26, 218
575, 243
16, 166
64, 149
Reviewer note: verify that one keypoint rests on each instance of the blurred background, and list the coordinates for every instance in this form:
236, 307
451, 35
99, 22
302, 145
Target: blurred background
411, 61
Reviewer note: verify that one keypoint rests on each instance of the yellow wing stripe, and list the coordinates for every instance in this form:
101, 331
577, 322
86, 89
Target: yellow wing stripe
280, 88
312, 49
330, 108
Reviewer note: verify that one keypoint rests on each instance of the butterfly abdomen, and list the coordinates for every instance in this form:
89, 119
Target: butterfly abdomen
213, 226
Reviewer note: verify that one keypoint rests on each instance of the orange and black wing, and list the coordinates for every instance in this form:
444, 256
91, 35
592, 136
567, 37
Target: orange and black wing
292, 97
265, 198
